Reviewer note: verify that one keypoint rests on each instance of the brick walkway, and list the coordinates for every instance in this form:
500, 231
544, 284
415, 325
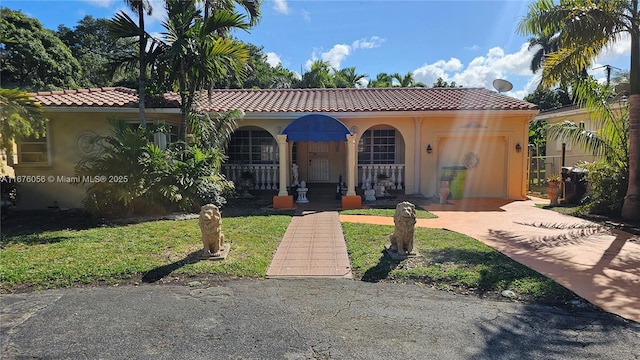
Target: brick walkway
312, 246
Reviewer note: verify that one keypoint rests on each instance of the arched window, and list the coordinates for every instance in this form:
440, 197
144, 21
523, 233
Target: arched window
377, 146
252, 146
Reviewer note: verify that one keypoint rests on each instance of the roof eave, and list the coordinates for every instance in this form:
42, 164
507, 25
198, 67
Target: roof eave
108, 109
557, 114
530, 113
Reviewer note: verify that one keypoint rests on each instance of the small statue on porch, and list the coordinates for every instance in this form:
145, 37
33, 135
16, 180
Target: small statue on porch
405, 222
302, 193
210, 222
369, 193
294, 174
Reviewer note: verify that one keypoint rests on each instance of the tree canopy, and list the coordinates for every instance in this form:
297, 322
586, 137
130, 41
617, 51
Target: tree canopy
34, 58
549, 99
440, 83
91, 45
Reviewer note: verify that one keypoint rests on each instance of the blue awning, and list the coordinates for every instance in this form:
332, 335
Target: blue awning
316, 127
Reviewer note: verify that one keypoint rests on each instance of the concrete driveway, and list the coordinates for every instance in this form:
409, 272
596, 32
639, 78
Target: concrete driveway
597, 263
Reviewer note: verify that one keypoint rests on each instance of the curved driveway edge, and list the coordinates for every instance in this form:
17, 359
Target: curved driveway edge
597, 263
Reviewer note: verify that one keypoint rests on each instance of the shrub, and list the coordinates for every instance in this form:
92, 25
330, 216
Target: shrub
607, 186
196, 173
9, 191
154, 181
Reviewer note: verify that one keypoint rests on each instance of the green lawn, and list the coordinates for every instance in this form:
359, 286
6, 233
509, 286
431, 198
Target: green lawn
65, 251
152, 250
449, 261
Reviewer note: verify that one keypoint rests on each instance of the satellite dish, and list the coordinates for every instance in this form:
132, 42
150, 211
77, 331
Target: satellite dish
502, 85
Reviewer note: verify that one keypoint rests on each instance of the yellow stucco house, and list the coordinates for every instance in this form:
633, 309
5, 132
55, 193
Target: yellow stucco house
553, 161
408, 134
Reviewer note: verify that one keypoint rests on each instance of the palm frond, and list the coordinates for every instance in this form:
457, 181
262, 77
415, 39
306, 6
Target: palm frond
122, 26
224, 19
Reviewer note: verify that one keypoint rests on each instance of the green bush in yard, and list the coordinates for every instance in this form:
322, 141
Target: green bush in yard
147, 179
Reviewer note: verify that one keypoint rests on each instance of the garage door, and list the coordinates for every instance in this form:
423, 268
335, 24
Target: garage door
485, 158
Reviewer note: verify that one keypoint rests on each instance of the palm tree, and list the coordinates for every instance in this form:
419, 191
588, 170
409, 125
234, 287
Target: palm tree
546, 45
407, 80
251, 7
20, 117
383, 80
319, 76
585, 28
141, 7
348, 78
610, 139
213, 131
193, 55
283, 78
610, 142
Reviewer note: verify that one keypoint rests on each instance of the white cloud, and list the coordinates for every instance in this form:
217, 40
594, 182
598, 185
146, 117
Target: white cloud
362, 83
306, 16
281, 6
481, 71
314, 57
100, 3
622, 47
429, 73
273, 59
515, 67
159, 13
336, 55
372, 42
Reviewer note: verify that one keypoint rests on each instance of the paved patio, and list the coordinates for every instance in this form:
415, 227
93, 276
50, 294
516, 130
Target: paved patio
599, 264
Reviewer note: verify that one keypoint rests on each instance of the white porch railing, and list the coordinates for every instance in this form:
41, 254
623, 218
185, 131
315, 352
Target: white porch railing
369, 174
266, 176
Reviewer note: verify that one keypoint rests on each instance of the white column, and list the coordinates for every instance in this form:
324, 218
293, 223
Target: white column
417, 150
351, 165
282, 158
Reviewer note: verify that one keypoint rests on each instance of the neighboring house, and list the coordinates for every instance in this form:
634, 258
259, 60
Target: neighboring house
408, 134
553, 161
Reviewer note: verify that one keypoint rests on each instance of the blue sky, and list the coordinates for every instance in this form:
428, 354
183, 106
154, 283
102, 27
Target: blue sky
469, 42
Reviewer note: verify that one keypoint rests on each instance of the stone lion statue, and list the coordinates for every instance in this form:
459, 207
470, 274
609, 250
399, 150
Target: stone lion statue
210, 225
405, 221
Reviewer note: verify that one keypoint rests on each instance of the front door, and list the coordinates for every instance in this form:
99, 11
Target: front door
318, 162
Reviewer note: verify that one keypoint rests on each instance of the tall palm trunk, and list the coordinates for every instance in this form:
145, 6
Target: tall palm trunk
184, 103
142, 83
631, 206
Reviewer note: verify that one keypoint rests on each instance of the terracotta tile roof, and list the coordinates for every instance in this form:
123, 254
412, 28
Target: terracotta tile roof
304, 100
95, 97
358, 100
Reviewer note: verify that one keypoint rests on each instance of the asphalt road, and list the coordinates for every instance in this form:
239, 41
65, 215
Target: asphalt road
301, 319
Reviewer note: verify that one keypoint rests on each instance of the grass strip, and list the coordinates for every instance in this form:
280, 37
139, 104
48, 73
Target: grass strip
449, 261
